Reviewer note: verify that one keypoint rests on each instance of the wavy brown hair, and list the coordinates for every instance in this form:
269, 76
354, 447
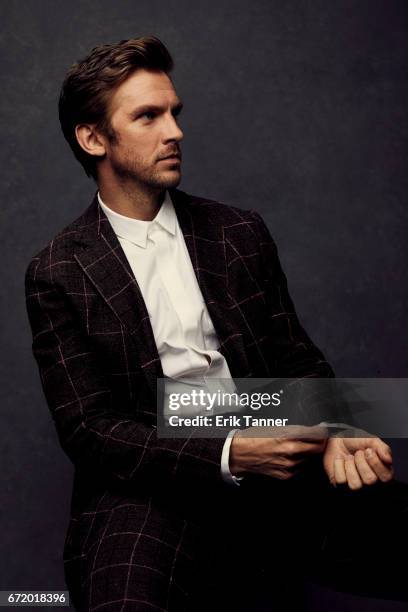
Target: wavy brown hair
90, 82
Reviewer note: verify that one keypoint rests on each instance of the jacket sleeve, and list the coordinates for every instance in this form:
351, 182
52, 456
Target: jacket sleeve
116, 446
296, 356
295, 353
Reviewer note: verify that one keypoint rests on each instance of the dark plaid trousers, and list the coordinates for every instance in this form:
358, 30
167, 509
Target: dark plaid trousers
249, 549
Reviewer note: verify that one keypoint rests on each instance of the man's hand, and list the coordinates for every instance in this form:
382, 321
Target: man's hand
357, 461
280, 455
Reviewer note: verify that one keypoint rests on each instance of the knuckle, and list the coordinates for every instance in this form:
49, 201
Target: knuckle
373, 459
290, 447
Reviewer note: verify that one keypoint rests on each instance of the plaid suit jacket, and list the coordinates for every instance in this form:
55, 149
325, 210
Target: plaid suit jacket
98, 363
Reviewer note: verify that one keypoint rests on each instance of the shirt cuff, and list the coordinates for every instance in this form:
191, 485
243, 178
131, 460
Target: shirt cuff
225, 471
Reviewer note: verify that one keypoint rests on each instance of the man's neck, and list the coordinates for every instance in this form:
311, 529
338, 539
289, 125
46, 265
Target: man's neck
134, 202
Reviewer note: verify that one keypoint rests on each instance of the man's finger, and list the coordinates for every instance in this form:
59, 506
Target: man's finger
383, 450
384, 472
353, 478
367, 475
340, 476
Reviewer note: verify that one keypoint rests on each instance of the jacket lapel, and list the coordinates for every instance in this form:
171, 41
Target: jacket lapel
204, 235
103, 260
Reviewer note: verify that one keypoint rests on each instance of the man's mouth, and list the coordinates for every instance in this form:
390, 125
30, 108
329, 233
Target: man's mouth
172, 156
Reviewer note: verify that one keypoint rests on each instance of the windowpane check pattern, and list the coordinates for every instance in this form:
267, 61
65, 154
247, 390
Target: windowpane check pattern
132, 543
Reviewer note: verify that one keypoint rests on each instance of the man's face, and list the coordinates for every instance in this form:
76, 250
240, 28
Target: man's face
143, 117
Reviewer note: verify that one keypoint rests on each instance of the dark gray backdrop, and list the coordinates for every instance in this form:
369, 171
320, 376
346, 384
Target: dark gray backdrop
297, 109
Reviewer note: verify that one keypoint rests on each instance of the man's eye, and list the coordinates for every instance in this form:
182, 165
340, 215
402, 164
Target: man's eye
149, 115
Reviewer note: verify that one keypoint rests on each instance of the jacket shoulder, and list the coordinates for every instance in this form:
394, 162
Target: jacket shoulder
59, 249
223, 212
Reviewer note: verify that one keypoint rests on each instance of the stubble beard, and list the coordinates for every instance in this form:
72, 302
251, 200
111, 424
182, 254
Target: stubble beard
143, 173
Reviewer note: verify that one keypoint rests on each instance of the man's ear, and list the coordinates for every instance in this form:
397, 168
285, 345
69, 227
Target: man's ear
90, 140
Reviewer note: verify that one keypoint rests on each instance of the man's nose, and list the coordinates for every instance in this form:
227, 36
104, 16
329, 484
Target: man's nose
172, 130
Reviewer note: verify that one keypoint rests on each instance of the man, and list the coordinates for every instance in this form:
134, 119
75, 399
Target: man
150, 282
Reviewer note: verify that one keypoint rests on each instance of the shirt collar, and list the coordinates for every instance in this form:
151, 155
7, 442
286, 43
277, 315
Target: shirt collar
136, 230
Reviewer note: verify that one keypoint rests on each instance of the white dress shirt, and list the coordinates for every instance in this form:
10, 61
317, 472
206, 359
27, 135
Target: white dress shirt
186, 340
